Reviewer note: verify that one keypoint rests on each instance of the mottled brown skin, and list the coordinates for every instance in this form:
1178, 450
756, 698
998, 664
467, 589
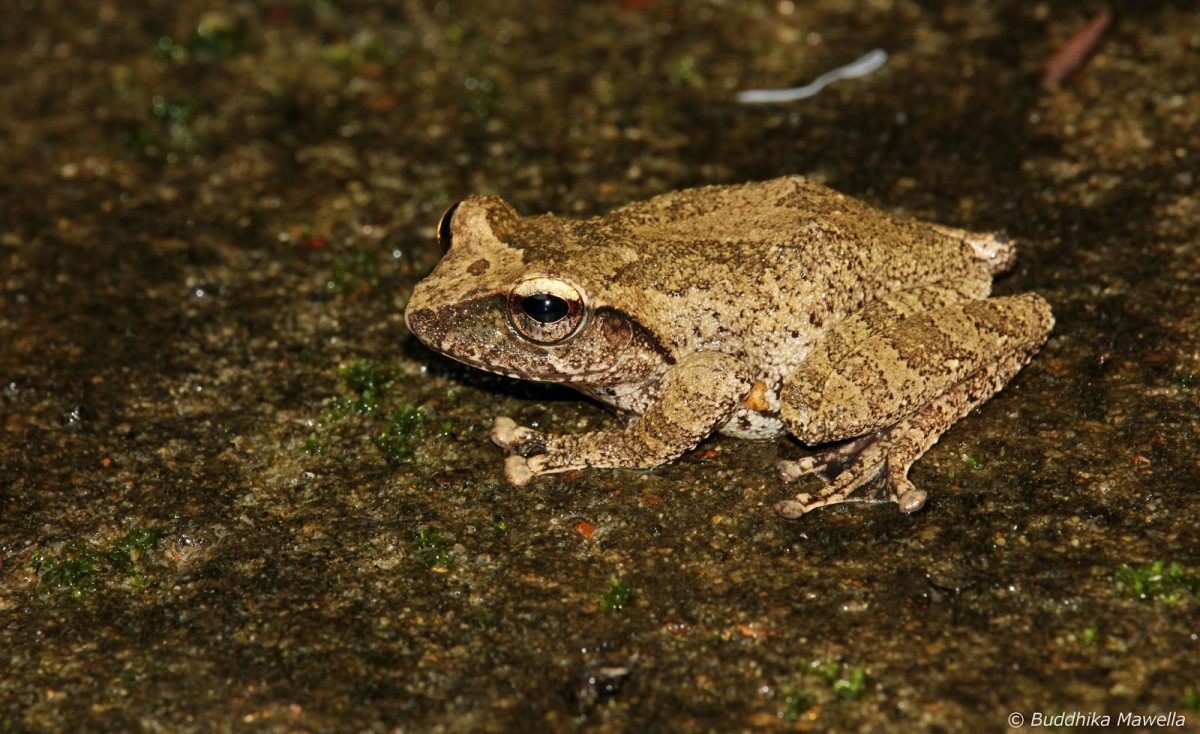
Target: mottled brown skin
748, 310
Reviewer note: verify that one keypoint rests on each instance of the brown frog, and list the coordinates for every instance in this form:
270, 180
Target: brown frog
746, 310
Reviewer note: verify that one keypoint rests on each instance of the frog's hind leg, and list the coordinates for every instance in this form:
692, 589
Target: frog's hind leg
874, 468
898, 391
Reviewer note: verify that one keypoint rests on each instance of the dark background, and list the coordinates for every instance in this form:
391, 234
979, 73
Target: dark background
235, 493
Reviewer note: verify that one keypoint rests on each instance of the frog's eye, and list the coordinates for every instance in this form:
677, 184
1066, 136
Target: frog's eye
545, 310
443, 232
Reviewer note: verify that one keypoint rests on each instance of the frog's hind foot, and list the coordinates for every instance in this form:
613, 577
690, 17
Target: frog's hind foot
874, 467
875, 479
986, 342
828, 464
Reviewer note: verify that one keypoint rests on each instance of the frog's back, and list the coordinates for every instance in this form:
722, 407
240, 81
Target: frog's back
787, 240
792, 221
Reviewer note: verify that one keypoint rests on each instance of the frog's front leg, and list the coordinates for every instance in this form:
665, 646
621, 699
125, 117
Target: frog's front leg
898, 391
696, 396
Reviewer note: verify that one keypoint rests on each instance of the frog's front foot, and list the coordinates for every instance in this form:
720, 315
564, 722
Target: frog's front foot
517, 471
516, 438
527, 447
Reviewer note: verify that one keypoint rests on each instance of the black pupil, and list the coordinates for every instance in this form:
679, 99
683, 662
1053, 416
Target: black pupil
544, 308
444, 227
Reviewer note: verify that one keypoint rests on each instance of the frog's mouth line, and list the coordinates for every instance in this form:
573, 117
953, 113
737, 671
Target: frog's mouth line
488, 355
555, 377
479, 334
565, 379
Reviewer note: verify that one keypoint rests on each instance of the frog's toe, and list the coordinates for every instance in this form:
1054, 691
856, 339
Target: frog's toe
512, 437
911, 501
901, 490
790, 471
791, 509
503, 432
517, 470
805, 503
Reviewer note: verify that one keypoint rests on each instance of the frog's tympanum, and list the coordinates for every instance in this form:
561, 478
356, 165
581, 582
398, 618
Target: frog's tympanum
746, 310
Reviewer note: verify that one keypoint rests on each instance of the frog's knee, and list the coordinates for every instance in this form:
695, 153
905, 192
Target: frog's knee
807, 420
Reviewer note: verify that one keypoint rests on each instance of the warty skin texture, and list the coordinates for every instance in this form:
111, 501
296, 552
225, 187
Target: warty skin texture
748, 310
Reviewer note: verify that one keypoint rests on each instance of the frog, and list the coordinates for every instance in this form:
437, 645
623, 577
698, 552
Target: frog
750, 310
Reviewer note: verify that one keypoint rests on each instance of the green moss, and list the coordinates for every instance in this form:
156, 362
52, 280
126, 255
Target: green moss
795, 702
847, 683
401, 430
76, 567
618, 596
398, 438
827, 670
81, 568
852, 685
369, 378
976, 462
125, 554
313, 446
430, 551
685, 71
369, 382
216, 38
353, 271
1157, 581
1191, 699
408, 419
844, 682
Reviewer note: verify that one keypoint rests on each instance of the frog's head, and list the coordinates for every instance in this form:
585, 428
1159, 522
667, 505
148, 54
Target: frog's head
526, 297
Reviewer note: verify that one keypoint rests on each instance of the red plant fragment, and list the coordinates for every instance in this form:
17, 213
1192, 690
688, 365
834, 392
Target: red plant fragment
1068, 58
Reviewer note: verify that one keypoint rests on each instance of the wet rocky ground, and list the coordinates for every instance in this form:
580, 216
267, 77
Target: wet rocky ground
236, 494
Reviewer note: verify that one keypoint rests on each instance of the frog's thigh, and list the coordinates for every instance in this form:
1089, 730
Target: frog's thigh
876, 465
882, 315
903, 367
696, 396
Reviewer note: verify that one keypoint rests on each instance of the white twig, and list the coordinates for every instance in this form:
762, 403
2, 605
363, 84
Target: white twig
859, 67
